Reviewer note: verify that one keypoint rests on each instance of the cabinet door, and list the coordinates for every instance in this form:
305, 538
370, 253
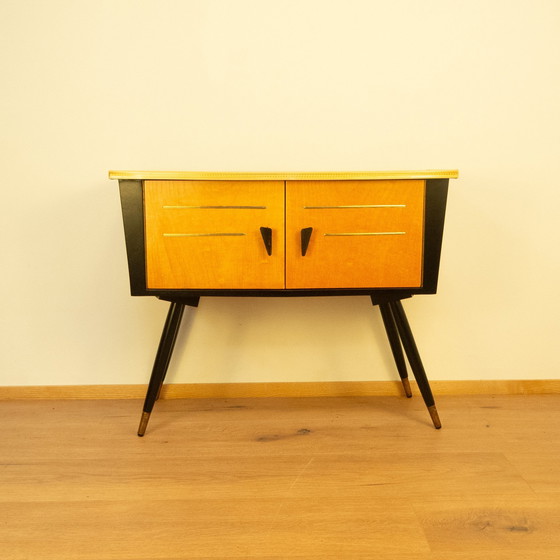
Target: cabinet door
365, 234
207, 234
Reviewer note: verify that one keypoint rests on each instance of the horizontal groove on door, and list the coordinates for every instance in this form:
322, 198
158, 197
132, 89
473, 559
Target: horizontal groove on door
217, 234
343, 207
178, 207
365, 233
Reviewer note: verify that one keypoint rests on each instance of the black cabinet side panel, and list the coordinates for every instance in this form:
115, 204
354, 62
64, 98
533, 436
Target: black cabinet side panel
132, 202
436, 201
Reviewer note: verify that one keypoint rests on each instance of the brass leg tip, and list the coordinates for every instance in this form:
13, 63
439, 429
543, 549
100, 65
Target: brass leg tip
143, 423
435, 417
407, 389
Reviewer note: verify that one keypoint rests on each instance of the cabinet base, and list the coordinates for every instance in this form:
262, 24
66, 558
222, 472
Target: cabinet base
396, 326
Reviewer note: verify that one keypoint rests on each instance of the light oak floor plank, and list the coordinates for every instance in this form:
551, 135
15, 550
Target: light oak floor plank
503, 523
278, 478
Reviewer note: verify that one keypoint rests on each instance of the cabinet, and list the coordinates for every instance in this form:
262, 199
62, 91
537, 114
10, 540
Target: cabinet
190, 235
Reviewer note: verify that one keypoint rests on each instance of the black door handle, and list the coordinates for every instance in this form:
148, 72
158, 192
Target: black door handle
305, 238
266, 234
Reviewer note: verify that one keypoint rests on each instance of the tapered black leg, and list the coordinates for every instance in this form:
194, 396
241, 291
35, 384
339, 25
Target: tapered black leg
414, 360
396, 347
161, 362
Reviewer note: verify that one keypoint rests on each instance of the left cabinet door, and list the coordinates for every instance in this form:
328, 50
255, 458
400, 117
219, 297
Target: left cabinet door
214, 234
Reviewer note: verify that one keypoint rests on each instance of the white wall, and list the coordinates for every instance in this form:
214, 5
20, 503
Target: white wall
254, 85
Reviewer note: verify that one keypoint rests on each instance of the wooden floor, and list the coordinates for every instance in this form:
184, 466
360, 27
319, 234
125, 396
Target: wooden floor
308, 478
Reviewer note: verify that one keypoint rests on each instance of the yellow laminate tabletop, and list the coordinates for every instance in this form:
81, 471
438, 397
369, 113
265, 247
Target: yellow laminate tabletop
283, 175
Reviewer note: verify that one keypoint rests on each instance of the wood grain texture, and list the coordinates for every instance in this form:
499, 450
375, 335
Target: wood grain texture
391, 257
275, 478
207, 234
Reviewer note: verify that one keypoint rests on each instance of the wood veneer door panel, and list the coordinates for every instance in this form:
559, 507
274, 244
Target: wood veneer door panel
206, 234
366, 234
